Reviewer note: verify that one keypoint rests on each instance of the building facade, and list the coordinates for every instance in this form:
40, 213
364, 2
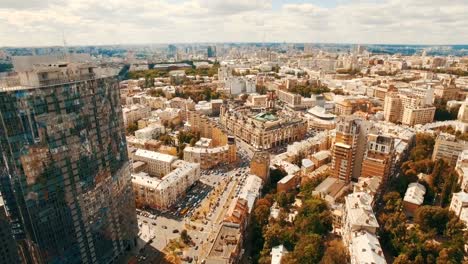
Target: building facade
65, 175
348, 150
263, 130
162, 193
379, 157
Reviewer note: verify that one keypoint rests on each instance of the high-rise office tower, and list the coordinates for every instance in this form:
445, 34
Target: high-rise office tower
65, 176
348, 150
8, 247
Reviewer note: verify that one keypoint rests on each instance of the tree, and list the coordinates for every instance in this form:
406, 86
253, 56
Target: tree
432, 218
336, 253
131, 128
308, 250
262, 214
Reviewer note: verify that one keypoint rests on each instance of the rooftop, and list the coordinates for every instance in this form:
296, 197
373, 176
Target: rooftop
415, 193
155, 155
266, 117
365, 248
359, 209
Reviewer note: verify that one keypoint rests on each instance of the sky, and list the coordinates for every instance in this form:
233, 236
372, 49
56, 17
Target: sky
102, 22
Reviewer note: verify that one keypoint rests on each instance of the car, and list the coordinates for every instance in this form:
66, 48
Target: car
153, 223
164, 227
175, 231
201, 229
144, 221
196, 247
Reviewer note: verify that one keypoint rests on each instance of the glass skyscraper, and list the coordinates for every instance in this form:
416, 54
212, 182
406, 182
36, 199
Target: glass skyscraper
65, 174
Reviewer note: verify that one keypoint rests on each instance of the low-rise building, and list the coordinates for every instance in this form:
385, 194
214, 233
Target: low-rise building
414, 198
277, 254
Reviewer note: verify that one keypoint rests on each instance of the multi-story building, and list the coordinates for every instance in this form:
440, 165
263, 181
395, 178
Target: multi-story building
66, 176
350, 106
365, 248
348, 150
133, 113
408, 109
359, 229
379, 156
214, 148
459, 205
162, 193
448, 148
263, 130
260, 165
293, 100
209, 157
461, 169
448, 90
8, 246
158, 164
152, 131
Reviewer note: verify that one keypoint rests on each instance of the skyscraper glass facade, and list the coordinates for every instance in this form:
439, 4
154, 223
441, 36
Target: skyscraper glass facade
65, 174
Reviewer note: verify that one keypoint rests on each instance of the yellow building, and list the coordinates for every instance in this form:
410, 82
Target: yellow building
263, 130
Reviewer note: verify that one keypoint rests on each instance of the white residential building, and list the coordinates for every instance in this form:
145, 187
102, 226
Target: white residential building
365, 248
459, 205
277, 254
158, 164
359, 230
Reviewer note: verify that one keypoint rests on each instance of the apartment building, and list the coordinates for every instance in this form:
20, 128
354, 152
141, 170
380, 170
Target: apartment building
348, 149
209, 157
379, 157
359, 231
408, 109
215, 147
260, 165
133, 113
162, 193
459, 205
448, 148
291, 99
158, 164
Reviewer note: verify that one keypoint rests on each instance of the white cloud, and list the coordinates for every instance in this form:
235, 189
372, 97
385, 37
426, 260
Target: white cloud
40, 22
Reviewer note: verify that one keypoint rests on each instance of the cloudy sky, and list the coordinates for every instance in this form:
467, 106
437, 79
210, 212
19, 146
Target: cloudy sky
86, 22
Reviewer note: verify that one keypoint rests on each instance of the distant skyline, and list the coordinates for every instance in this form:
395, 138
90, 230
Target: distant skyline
105, 22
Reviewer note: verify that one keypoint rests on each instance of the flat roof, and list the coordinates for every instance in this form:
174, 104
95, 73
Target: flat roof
155, 155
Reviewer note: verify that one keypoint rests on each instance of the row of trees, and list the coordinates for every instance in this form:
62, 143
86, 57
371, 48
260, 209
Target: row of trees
206, 94
306, 238
437, 235
442, 179
308, 90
